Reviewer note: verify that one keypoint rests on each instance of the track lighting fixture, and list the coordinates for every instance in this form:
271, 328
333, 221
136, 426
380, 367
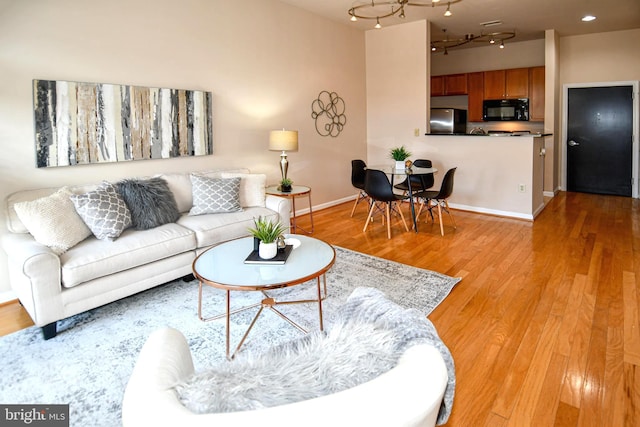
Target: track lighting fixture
492, 38
384, 9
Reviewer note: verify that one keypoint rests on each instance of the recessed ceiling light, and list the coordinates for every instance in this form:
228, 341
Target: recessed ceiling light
588, 18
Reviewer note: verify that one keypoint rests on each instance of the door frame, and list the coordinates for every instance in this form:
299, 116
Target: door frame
635, 143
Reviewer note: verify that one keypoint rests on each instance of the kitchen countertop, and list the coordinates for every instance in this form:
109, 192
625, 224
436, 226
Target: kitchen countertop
501, 135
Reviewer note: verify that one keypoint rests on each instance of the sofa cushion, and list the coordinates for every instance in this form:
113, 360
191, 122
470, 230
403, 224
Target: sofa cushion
215, 228
53, 221
215, 195
95, 258
252, 188
150, 202
104, 211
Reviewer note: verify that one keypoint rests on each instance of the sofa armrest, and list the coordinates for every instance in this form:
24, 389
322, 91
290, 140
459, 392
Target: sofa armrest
34, 271
282, 206
164, 361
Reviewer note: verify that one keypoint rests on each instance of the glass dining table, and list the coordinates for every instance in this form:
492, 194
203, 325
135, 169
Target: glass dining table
391, 170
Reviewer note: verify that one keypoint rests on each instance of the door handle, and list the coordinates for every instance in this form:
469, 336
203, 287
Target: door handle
572, 143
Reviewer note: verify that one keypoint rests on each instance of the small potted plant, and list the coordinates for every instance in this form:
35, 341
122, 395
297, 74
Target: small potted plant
267, 232
399, 154
285, 185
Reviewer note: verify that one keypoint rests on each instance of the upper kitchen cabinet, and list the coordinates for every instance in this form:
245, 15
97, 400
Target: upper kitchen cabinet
504, 84
475, 86
437, 86
452, 84
536, 94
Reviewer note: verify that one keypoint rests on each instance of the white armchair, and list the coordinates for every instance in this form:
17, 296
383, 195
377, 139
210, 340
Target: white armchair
410, 394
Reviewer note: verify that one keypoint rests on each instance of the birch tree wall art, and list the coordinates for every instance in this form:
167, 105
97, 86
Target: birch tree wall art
83, 123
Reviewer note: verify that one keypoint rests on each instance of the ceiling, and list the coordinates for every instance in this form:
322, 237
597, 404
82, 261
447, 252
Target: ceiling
529, 18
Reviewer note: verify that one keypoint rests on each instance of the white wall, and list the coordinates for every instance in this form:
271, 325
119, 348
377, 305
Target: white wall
466, 60
264, 61
490, 171
396, 88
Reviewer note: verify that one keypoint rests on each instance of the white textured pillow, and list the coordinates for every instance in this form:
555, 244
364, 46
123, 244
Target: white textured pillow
215, 195
104, 211
252, 188
53, 221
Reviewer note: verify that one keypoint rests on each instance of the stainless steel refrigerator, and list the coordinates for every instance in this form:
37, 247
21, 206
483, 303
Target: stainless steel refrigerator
448, 120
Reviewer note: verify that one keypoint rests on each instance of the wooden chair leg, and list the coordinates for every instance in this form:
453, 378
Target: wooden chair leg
440, 217
402, 217
355, 204
366, 224
420, 209
450, 214
388, 220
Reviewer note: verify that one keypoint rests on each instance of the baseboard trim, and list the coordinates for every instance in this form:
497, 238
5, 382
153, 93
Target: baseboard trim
495, 212
508, 214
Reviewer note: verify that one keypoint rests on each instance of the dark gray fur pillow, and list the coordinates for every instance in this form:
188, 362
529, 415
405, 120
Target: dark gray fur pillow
150, 201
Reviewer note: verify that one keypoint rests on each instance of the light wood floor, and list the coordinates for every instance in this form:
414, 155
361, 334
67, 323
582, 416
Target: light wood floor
544, 327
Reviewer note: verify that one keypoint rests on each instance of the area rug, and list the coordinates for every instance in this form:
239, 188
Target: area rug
88, 364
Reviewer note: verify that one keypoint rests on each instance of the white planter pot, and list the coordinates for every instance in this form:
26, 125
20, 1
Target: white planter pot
267, 250
399, 164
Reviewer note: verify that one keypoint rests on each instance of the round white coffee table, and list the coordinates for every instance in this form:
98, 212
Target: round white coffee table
223, 267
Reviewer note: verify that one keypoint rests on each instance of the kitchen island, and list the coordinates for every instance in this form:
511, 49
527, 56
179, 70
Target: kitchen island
499, 175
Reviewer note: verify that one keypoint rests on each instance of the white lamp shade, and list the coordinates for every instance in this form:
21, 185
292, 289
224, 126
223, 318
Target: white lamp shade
283, 140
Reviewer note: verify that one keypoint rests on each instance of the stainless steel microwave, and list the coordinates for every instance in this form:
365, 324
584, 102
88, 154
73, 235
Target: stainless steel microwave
505, 109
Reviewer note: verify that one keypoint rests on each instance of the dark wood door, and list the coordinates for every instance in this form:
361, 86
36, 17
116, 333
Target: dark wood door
600, 140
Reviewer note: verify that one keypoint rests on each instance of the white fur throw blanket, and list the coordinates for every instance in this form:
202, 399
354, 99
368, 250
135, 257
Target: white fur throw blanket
367, 339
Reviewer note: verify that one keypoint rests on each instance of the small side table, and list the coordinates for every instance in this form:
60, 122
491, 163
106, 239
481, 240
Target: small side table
296, 191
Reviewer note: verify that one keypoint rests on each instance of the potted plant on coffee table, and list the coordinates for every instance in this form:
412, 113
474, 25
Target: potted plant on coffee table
399, 154
267, 232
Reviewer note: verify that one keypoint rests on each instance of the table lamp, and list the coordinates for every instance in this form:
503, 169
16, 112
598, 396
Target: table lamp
283, 140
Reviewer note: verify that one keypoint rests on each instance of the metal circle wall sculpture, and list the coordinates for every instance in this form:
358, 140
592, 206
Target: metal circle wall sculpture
328, 112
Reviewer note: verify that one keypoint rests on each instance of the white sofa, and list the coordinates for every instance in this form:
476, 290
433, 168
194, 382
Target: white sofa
95, 272
410, 394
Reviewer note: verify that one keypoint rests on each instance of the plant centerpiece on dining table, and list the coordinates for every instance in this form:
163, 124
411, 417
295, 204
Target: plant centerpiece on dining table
400, 154
267, 232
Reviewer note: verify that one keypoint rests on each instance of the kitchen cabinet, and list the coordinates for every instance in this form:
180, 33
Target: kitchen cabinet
475, 89
437, 86
452, 84
505, 84
455, 84
536, 94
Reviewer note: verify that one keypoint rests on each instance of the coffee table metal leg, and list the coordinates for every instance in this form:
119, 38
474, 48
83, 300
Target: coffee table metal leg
266, 302
320, 301
219, 316
244, 337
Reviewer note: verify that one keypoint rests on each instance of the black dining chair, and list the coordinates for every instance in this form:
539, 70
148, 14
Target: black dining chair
419, 182
358, 168
438, 198
379, 189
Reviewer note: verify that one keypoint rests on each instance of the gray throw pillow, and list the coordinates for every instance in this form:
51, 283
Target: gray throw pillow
104, 211
150, 202
214, 195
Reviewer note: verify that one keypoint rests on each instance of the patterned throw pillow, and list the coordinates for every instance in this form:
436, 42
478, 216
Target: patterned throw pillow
53, 221
104, 211
215, 195
252, 188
